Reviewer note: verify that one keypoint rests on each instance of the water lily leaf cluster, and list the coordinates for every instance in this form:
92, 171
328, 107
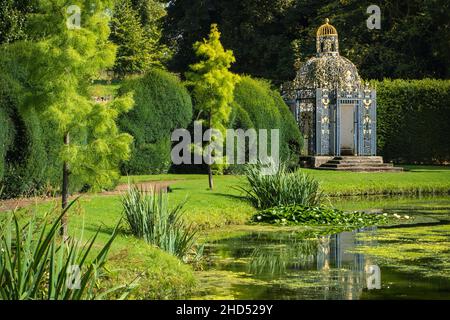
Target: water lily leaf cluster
320, 215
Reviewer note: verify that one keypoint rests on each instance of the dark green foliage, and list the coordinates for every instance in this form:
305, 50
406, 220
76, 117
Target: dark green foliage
136, 29
254, 96
6, 133
239, 118
290, 136
414, 120
26, 159
24, 146
413, 41
13, 18
5, 139
149, 158
255, 30
299, 214
29, 153
162, 104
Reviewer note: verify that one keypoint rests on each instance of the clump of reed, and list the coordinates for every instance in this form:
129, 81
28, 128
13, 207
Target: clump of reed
148, 216
282, 188
36, 264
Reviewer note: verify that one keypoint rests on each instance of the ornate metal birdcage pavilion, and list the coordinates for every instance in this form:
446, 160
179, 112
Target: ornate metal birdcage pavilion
335, 112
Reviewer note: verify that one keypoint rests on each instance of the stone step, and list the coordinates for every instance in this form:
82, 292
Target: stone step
362, 164
363, 169
355, 161
357, 158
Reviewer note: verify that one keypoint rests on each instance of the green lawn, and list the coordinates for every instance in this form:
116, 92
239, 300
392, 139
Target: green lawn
224, 206
164, 276
417, 180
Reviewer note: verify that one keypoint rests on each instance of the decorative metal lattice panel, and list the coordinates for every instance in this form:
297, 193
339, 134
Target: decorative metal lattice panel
367, 123
324, 122
306, 116
318, 114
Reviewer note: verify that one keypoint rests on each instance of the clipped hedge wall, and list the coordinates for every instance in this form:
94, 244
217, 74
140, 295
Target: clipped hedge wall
7, 104
5, 138
260, 107
162, 104
25, 167
413, 120
26, 159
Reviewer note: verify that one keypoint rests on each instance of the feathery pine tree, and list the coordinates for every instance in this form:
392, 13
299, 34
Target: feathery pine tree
63, 64
213, 84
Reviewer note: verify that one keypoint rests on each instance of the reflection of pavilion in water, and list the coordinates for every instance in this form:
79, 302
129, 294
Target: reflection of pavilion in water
350, 270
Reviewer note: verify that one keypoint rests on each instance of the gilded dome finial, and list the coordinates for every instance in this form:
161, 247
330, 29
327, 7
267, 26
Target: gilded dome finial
326, 29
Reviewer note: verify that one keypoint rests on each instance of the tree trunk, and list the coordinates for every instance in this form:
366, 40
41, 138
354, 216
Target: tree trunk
210, 178
65, 192
210, 175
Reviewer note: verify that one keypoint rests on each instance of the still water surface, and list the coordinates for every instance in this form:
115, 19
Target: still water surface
409, 261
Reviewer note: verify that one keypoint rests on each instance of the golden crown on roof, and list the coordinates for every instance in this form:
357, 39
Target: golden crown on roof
326, 29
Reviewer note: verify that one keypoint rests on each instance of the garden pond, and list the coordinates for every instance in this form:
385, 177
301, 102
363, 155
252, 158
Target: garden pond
408, 260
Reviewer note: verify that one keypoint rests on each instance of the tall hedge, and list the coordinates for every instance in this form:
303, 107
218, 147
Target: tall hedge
7, 104
24, 163
26, 159
162, 104
265, 109
414, 120
5, 138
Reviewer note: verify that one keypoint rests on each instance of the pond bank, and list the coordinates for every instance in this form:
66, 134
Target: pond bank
219, 213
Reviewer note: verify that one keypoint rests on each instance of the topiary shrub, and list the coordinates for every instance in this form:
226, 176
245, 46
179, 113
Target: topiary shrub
290, 136
6, 126
260, 107
254, 96
26, 159
5, 135
239, 118
149, 158
5, 138
162, 104
23, 158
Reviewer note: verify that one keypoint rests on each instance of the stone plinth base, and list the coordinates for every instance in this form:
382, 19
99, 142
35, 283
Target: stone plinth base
349, 163
314, 161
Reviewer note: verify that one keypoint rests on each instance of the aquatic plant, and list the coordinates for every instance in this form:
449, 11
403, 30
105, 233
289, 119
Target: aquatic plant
320, 215
280, 189
149, 217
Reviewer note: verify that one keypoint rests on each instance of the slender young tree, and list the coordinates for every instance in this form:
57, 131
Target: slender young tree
213, 84
71, 52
